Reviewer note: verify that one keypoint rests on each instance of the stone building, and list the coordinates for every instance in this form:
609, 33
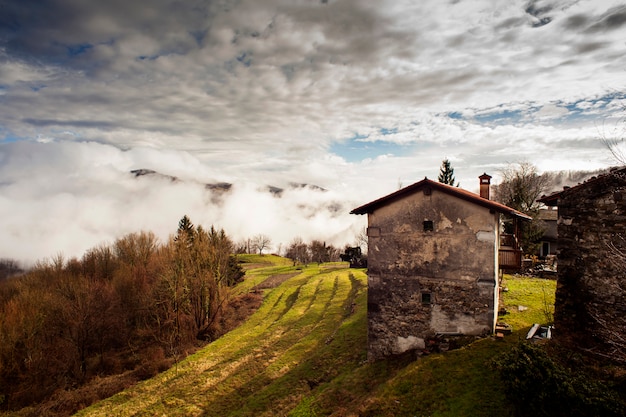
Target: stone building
434, 256
590, 306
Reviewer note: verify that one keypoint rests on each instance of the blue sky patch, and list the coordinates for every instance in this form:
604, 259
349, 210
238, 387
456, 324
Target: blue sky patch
78, 49
356, 149
585, 109
384, 131
9, 138
198, 35
500, 117
245, 58
455, 115
148, 57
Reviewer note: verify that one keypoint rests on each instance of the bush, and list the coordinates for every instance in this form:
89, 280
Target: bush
153, 362
541, 386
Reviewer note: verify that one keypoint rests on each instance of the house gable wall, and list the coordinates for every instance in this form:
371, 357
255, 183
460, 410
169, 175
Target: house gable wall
424, 282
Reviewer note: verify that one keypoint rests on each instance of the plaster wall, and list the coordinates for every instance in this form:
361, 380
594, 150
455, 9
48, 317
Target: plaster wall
425, 282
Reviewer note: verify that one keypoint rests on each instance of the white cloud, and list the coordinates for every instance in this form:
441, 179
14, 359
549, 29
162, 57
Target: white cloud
67, 197
256, 92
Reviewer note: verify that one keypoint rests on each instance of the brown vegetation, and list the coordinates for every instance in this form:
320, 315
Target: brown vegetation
75, 331
316, 251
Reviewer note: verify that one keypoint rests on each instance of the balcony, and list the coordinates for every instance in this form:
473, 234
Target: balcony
510, 259
509, 255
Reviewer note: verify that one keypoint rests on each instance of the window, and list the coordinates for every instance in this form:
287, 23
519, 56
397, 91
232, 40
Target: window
428, 226
426, 298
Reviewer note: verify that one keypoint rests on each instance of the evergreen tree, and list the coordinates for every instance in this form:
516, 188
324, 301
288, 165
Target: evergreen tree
446, 173
186, 232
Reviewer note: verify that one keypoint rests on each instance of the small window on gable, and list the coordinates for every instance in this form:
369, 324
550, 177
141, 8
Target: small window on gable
426, 299
428, 226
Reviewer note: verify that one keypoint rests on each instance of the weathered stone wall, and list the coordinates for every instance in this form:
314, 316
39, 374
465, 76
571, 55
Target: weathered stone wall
427, 282
590, 307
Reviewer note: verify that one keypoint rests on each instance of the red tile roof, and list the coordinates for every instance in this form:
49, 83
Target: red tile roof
454, 191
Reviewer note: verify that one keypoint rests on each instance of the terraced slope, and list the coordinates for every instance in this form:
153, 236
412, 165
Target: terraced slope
303, 353
308, 330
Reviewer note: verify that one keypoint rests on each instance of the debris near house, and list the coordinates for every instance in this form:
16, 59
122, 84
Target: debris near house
538, 332
503, 329
536, 268
545, 271
440, 343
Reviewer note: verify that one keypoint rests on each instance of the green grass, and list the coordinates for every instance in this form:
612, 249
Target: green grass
534, 295
303, 353
450, 384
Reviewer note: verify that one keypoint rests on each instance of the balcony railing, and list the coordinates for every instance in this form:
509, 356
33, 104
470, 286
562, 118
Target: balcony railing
509, 255
509, 258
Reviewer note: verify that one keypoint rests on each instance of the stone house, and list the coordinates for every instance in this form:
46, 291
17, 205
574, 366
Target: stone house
590, 305
434, 257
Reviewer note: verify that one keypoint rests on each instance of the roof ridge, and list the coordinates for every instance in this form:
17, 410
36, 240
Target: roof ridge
457, 191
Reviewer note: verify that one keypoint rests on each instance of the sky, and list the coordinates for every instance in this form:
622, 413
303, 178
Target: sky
356, 97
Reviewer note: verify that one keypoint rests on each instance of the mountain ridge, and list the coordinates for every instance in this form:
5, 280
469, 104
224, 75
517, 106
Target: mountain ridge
225, 186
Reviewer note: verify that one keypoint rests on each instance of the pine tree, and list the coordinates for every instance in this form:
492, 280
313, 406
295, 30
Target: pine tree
446, 173
186, 232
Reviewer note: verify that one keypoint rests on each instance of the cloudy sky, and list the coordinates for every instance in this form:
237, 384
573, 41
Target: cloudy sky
354, 96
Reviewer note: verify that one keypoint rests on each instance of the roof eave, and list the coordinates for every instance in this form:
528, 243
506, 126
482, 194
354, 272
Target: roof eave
464, 195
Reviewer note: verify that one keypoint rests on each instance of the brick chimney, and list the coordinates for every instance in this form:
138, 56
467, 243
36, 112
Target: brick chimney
485, 182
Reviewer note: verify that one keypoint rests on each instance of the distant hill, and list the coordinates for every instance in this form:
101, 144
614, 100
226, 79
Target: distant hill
556, 181
222, 187
559, 179
149, 172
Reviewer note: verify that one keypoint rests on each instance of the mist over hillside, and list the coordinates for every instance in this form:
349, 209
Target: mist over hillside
559, 179
56, 201
69, 215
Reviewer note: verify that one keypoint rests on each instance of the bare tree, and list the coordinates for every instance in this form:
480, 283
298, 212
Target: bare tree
298, 251
242, 246
319, 251
614, 282
361, 239
9, 267
261, 242
614, 139
520, 188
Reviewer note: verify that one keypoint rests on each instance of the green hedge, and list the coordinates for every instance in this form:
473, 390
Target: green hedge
540, 386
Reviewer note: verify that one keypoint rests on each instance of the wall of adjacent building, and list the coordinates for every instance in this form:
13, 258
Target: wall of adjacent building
590, 307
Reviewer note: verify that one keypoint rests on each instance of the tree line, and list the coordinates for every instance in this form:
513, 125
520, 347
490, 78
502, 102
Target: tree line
315, 251
134, 305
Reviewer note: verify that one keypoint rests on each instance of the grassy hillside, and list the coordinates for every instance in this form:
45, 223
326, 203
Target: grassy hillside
303, 353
